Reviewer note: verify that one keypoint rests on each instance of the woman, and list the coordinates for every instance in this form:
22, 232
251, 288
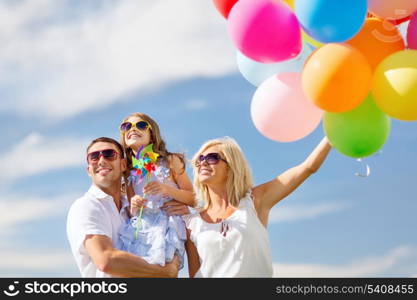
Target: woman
228, 238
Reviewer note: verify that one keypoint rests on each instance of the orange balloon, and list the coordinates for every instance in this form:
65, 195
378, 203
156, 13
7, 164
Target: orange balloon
336, 77
376, 40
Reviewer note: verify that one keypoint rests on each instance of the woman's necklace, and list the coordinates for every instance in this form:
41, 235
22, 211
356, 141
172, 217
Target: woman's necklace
224, 227
224, 224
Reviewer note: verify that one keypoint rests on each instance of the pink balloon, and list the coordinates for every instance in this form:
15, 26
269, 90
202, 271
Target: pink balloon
392, 9
266, 31
412, 32
281, 111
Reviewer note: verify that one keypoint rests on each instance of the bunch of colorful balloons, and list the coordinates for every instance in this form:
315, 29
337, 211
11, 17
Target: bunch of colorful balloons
343, 62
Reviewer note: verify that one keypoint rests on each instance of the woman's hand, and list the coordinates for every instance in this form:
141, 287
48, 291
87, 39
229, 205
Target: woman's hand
175, 208
136, 202
156, 188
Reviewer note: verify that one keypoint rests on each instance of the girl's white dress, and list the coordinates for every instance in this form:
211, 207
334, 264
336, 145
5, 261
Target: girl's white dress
160, 236
236, 247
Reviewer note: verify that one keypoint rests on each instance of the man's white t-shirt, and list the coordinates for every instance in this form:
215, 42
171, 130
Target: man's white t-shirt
94, 213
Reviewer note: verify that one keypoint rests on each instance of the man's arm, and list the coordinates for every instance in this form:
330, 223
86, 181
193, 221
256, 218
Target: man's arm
123, 264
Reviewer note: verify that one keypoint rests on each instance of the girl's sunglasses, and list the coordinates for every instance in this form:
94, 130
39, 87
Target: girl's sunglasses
211, 159
141, 125
108, 154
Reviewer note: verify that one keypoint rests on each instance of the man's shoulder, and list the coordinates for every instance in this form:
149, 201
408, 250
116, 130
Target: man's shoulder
85, 203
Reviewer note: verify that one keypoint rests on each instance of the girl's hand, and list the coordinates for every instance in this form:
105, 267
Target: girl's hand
175, 208
155, 188
136, 202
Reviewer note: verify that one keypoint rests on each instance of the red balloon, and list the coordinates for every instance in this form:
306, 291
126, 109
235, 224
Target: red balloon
224, 6
395, 22
400, 21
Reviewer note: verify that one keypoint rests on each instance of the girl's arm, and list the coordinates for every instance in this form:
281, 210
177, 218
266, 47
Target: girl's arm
270, 193
192, 256
183, 194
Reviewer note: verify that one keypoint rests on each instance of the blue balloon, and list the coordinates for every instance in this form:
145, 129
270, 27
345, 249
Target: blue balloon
331, 21
256, 72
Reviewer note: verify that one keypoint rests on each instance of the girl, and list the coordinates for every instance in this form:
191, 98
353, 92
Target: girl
161, 236
229, 237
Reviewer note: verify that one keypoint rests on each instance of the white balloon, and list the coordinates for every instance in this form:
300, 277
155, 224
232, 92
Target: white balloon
256, 72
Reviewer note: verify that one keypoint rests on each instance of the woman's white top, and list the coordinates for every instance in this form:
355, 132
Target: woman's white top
236, 247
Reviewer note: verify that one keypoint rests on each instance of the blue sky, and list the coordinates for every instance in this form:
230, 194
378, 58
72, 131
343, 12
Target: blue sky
70, 71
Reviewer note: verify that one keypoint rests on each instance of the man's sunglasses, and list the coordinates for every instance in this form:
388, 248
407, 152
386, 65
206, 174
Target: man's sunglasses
211, 159
141, 125
108, 154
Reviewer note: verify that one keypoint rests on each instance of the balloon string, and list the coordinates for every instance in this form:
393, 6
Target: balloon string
367, 168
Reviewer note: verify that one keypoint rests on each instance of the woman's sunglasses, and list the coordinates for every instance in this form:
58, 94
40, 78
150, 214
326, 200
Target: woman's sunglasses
108, 154
141, 125
211, 159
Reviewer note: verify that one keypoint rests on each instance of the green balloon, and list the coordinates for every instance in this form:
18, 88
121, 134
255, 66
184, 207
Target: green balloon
359, 132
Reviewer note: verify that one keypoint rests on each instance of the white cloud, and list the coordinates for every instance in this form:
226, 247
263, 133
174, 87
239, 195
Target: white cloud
35, 261
67, 66
19, 210
400, 261
289, 213
196, 104
17, 213
36, 154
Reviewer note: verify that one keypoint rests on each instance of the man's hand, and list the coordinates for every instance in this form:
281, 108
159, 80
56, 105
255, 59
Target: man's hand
175, 208
173, 267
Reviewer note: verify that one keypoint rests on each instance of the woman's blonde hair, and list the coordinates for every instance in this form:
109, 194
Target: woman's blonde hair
159, 145
239, 177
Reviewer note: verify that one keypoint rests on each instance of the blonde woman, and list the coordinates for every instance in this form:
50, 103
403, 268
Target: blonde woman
228, 237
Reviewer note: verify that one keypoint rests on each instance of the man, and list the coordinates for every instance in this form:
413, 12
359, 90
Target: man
94, 220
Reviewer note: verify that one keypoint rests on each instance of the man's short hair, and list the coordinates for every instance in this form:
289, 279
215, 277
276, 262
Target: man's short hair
108, 140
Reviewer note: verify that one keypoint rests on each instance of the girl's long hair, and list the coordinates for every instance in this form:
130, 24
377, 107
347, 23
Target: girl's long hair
159, 145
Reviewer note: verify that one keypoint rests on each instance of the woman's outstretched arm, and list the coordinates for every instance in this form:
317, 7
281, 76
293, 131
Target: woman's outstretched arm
270, 193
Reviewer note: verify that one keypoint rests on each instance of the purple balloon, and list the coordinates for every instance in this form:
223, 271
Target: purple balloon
412, 32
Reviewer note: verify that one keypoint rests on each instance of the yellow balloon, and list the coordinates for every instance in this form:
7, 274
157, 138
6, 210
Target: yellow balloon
290, 3
308, 39
394, 85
